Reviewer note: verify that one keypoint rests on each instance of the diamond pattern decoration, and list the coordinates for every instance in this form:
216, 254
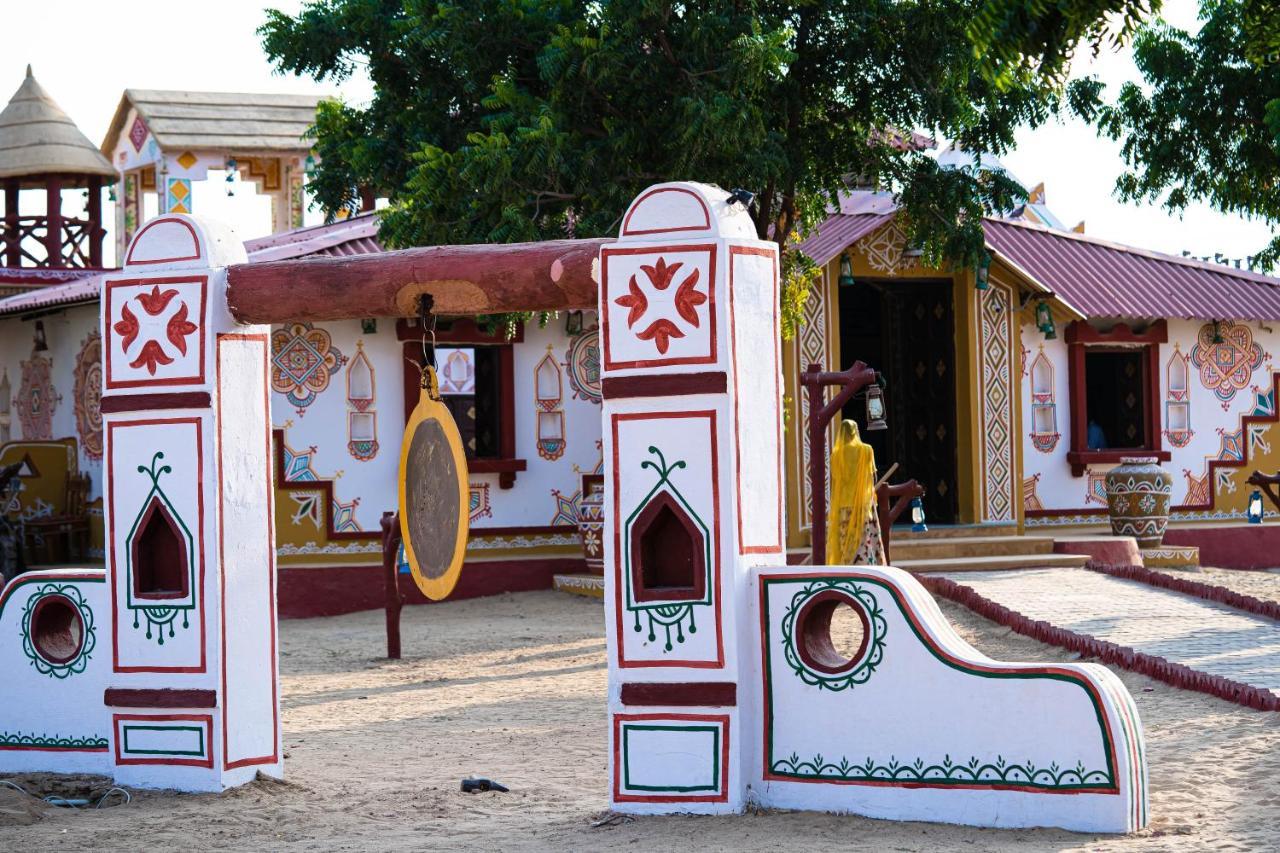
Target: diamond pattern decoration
995, 307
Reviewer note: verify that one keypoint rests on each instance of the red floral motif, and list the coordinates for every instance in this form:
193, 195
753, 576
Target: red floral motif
688, 299
178, 329
660, 332
635, 300
156, 301
151, 355
127, 327
660, 274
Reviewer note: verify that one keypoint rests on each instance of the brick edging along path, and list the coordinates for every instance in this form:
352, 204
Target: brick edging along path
1162, 669
1207, 591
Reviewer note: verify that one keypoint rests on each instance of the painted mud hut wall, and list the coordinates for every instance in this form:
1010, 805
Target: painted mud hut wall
338, 404
1214, 408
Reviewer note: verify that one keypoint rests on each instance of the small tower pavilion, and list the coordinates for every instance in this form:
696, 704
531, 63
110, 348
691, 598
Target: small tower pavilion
41, 149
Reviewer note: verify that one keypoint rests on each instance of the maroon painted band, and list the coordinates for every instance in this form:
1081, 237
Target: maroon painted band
114, 403
700, 694
619, 387
123, 697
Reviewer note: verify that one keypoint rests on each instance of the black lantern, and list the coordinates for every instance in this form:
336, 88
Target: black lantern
1217, 332
369, 325
1254, 512
41, 344
1044, 321
231, 176
846, 271
982, 273
917, 516
875, 408
573, 323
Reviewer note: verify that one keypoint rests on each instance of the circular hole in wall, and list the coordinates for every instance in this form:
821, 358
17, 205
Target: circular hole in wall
832, 631
57, 631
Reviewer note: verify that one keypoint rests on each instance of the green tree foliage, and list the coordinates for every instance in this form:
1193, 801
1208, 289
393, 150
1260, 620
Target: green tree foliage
509, 120
1205, 126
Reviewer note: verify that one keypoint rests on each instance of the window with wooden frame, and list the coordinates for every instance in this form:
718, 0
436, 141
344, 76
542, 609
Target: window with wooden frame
1115, 393
476, 369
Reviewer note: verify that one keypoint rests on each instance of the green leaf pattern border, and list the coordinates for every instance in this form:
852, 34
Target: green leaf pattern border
872, 656
88, 641
667, 614
17, 740
949, 772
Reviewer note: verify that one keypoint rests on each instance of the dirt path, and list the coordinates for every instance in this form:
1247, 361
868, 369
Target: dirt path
513, 688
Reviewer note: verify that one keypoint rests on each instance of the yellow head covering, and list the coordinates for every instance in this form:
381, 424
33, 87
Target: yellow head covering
853, 479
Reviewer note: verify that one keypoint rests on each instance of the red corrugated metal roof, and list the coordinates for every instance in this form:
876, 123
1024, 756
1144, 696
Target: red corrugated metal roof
1101, 279
839, 231
355, 236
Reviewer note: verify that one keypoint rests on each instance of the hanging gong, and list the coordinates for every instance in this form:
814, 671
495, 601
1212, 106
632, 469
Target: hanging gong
434, 495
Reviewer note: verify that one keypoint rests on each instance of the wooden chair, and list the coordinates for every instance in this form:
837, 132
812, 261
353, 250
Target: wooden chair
71, 526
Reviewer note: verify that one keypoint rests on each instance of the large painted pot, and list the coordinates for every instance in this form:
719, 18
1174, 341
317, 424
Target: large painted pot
591, 522
1138, 494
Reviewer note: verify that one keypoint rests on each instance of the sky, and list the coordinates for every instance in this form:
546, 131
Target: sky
86, 52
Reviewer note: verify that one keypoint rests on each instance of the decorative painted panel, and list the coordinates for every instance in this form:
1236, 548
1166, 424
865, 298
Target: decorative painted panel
995, 353
1177, 407
156, 503
154, 332
178, 199
37, 399
457, 369
811, 348
644, 743
1227, 366
362, 421
87, 396
303, 360
669, 459
582, 360
1044, 407
164, 739
548, 391
659, 306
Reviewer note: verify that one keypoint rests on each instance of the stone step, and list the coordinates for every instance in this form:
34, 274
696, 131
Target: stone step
969, 546
591, 586
992, 564
904, 533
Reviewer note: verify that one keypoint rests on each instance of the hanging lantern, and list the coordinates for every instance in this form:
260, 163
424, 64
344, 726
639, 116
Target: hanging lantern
573, 322
846, 271
981, 274
1217, 332
41, 343
875, 408
231, 176
309, 165
917, 516
1044, 320
1254, 512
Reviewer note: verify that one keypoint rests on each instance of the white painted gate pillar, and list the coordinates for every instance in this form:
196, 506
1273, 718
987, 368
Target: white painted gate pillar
726, 685
693, 472
193, 685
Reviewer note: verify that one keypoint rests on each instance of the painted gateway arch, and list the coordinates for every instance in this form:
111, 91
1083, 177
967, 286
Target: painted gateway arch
725, 687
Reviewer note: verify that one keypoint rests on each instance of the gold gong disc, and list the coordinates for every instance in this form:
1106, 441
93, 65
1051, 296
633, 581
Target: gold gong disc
434, 494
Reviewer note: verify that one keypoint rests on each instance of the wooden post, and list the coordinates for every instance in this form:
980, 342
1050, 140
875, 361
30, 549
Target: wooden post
96, 231
555, 275
902, 494
391, 580
12, 234
53, 221
814, 380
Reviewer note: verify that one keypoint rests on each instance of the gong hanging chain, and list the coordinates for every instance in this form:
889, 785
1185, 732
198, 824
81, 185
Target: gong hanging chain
427, 321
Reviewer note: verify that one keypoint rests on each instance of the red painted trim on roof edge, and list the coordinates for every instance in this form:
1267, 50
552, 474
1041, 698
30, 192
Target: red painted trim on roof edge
1105, 652
334, 590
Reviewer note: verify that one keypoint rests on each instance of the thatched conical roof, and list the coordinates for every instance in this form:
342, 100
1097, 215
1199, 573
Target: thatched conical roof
38, 138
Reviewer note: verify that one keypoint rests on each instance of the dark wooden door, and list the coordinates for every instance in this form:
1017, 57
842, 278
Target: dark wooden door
921, 392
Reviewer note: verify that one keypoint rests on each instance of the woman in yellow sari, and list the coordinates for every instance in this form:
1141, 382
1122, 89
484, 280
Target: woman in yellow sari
853, 523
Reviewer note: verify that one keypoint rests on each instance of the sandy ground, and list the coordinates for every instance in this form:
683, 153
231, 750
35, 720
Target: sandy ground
513, 688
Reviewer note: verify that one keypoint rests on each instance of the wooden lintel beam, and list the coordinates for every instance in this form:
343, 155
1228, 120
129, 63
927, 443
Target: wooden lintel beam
477, 279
